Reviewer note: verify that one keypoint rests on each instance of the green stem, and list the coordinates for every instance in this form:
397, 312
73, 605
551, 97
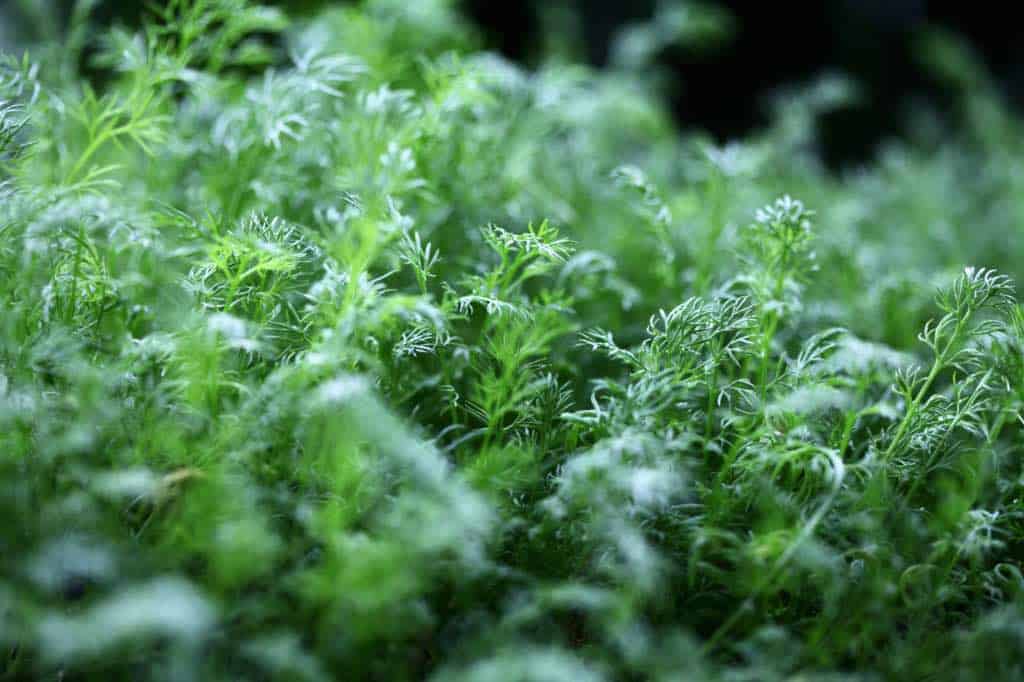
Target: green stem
86, 155
939, 364
930, 462
712, 386
851, 420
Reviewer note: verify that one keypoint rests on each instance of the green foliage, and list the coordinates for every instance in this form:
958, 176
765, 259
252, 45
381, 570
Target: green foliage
337, 349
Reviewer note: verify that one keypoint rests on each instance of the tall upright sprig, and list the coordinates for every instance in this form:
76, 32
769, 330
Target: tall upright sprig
777, 249
953, 343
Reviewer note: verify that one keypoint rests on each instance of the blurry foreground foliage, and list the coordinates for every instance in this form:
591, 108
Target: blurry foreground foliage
338, 350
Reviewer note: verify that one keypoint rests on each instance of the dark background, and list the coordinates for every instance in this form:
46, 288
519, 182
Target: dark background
724, 88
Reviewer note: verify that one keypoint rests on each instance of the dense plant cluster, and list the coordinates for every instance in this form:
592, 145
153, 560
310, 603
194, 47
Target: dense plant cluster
341, 350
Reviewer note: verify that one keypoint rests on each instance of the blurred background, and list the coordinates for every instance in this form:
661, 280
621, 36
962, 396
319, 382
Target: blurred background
721, 63
722, 77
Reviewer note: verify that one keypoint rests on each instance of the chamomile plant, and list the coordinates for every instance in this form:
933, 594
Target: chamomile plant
335, 347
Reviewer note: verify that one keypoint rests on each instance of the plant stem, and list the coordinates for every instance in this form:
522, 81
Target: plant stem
940, 363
